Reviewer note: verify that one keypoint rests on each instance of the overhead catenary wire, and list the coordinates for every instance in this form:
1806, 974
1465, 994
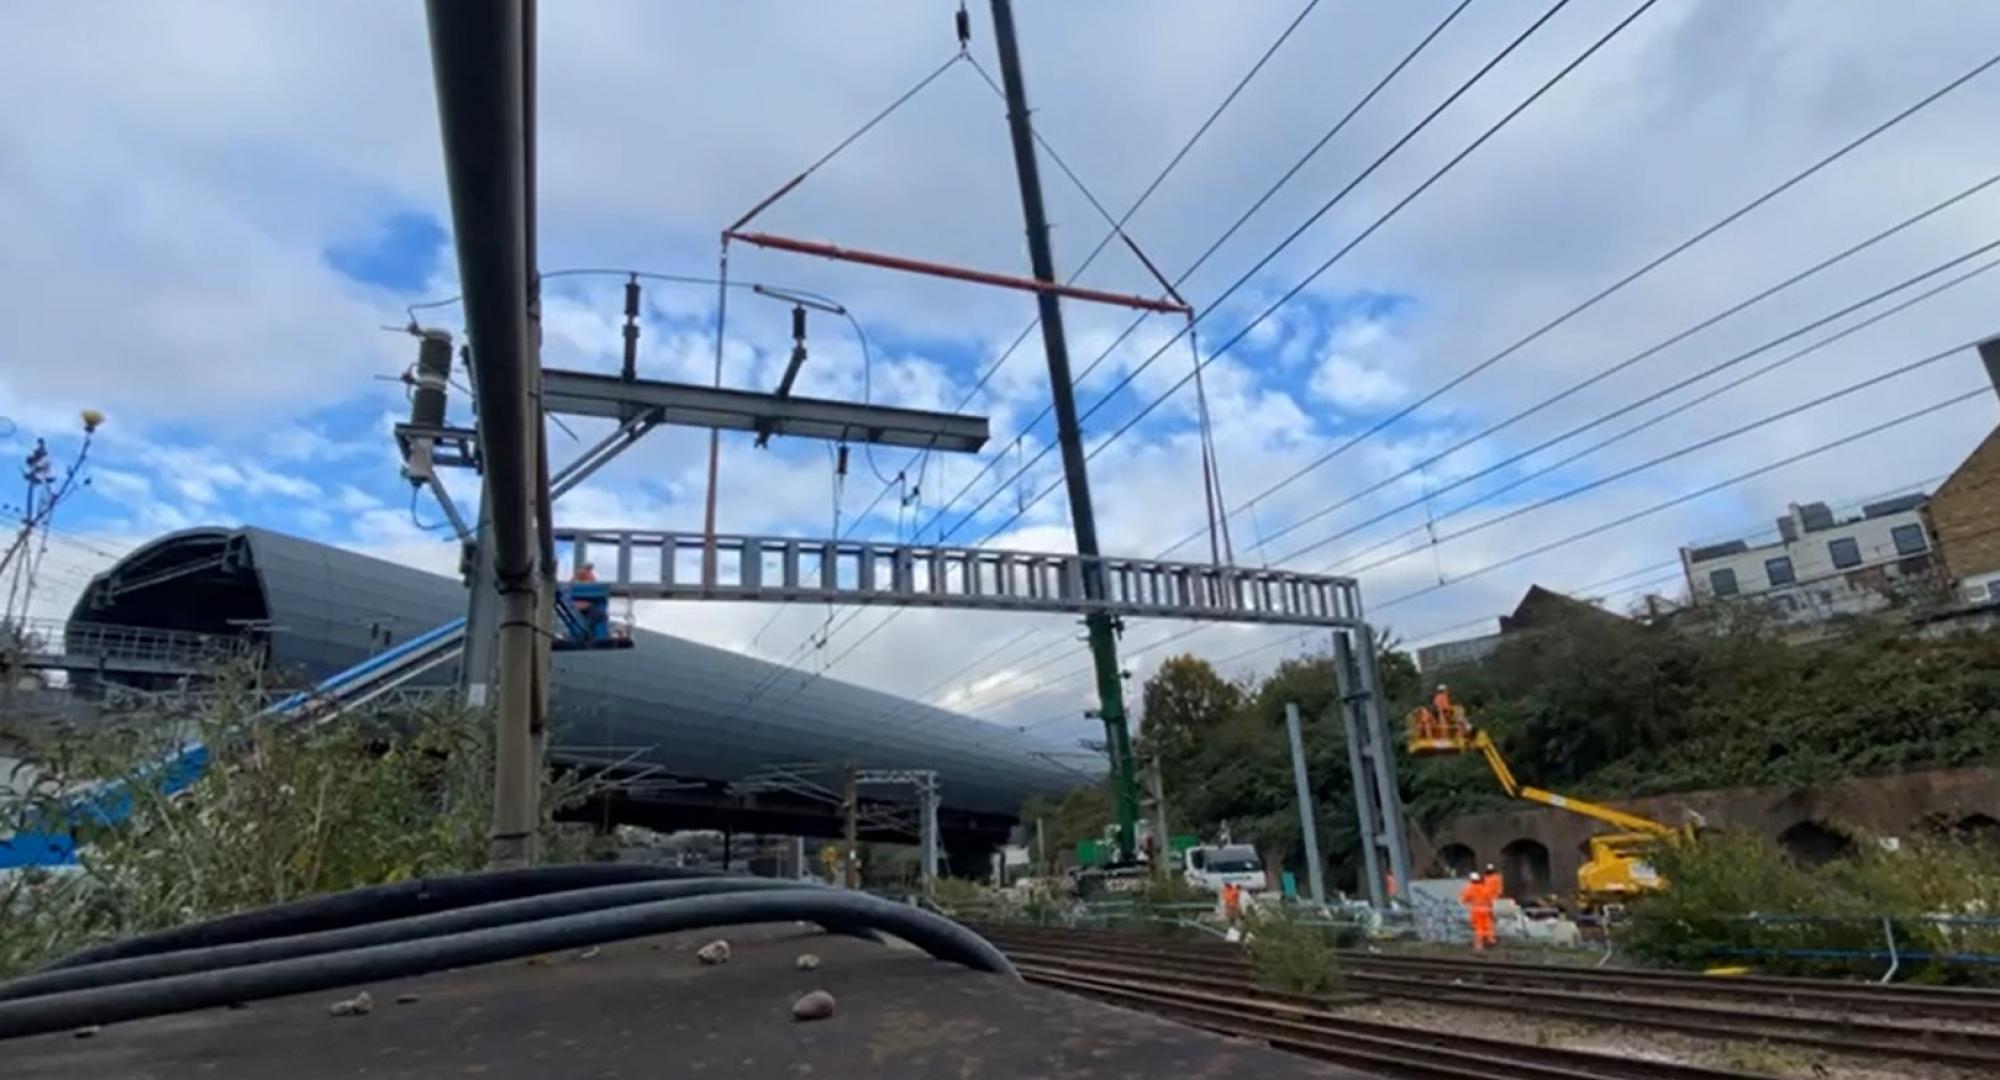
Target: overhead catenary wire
1146, 194
1746, 532
1644, 425
1668, 342
1638, 515
1115, 232
1683, 451
1214, 246
1814, 451
1370, 230
1648, 267
1292, 236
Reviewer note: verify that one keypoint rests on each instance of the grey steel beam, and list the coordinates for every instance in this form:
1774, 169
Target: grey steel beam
786, 569
607, 449
579, 393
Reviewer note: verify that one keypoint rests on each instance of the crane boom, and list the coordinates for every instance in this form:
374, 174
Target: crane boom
1615, 818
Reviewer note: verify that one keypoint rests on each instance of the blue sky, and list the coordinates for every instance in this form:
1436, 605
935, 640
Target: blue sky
214, 237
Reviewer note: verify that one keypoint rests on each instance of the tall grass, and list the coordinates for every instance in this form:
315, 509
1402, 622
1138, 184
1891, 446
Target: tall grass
283, 811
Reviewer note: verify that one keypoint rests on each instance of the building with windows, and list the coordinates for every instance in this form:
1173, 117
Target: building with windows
1965, 518
1822, 565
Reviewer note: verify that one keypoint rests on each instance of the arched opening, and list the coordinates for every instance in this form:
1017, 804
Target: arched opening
1982, 829
1524, 868
1813, 843
1457, 860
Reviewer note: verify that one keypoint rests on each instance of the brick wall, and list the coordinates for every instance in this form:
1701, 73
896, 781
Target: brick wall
1965, 513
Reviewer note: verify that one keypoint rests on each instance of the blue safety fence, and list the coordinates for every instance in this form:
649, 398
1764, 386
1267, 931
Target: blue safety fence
1941, 946
52, 838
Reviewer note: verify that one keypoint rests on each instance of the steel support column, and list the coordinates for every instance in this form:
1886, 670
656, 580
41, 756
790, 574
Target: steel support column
1373, 758
1102, 626
1308, 822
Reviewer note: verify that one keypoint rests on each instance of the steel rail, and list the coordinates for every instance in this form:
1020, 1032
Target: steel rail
1960, 1047
1384, 1049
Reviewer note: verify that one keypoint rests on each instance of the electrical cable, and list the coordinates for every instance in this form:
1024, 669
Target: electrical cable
418, 522
1575, 456
1739, 532
1158, 179
65, 1010
410, 928
1668, 342
373, 903
1697, 493
1116, 231
1393, 210
1235, 226
1622, 282
1282, 180
1683, 451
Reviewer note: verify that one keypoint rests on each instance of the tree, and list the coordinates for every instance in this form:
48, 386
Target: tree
1183, 705
1079, 814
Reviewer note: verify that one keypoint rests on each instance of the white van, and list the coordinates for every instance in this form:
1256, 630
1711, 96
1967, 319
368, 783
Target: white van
1211, 866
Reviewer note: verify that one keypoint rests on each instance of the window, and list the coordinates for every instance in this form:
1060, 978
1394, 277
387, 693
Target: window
1779, 570
1909, 539
1722, 582
1845, 552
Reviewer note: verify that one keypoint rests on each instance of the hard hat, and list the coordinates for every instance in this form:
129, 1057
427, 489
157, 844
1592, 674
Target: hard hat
1475, 875
1440, 686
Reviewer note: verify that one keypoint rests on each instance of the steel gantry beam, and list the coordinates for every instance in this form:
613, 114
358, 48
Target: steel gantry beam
784, 569
580, 393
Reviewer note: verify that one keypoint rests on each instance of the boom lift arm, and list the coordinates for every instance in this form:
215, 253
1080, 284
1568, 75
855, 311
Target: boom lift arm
1617, 819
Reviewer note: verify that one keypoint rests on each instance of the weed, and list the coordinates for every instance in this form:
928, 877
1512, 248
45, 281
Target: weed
282, 811
1290, 955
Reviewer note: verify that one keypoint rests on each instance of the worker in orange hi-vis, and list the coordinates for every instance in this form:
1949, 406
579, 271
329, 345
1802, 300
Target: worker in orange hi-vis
1496, 887
1479, 903
584, 572
1446, 711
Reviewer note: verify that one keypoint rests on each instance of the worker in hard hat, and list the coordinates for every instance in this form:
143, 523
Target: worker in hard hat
1479, 904
1495, 886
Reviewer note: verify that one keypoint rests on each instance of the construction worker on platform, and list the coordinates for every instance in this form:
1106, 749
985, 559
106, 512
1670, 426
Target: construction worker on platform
1479, 904
1449, 717
1495, 886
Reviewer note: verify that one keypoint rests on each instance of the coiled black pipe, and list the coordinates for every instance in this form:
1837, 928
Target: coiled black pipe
56, 1011
435, 924
375, 903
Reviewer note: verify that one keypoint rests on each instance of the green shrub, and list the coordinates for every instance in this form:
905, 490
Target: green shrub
1735, 896
283, 811
1290, 955
958, 894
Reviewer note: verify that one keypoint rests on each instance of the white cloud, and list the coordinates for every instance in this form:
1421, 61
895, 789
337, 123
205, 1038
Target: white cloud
168, 200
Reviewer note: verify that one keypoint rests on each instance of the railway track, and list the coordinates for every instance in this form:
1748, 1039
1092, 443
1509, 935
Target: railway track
1604, 997
1229, 1008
